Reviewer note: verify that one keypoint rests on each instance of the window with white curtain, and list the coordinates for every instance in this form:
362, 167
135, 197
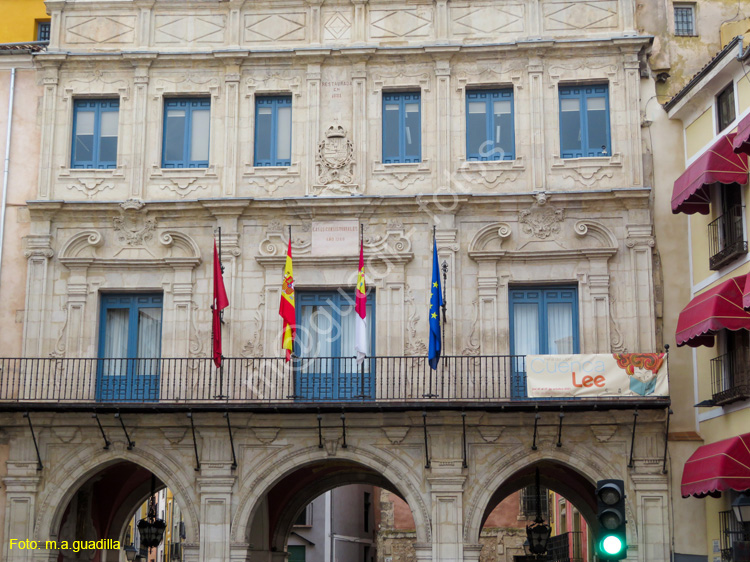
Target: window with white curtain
325, 346
543, 321
129, 347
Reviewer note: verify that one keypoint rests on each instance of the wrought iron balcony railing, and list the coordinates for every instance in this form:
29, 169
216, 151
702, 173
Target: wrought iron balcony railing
735, 538
269, 381
726, 238
565, 547
730, 377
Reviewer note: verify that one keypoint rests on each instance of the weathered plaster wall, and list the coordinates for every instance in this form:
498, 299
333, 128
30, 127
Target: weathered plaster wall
22, 182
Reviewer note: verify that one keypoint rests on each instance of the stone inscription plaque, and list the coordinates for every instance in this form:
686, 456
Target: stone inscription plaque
335, 238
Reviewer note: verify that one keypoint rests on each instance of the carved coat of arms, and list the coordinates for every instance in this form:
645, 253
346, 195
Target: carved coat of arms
335, 162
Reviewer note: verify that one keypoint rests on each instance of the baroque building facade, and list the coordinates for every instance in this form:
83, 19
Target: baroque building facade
512, 131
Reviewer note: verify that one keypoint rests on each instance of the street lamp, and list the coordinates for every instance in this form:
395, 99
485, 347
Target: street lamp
538, 532
151, 529
741, 508
130, 552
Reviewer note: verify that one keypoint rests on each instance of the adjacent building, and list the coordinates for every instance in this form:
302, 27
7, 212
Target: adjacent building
507, 137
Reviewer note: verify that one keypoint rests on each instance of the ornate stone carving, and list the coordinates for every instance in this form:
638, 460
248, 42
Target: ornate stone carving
254, 346
541, 221
472, 345
133, 227
182, 186
335, 163
413, 345
90, 186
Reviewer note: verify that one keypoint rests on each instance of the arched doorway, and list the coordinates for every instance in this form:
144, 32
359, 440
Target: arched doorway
344, 495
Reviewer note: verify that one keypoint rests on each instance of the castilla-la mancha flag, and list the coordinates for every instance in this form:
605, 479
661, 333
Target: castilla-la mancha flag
220, 302
360, 307
286, 306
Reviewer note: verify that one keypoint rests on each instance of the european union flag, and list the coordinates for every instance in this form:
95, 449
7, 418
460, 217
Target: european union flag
436, 301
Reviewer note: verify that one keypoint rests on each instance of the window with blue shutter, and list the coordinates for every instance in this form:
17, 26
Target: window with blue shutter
95, 124
489, 125
543, 321
584, 121
128, 368
402, 128
273, 131
325, 345
186, 132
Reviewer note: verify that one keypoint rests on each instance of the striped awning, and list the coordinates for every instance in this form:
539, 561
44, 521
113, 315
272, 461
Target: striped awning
719, 164
741, 141
716, 467
720, 308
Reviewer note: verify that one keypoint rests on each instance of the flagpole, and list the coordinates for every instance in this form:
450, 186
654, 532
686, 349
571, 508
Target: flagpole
444, 267
220, 396
362, 365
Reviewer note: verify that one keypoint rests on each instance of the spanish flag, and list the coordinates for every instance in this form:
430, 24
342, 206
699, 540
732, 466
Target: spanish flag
360, 307
286, 306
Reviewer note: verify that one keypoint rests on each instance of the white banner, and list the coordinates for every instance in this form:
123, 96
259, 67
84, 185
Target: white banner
588, 376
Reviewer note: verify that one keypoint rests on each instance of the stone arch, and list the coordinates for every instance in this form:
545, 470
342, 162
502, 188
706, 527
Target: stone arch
490, 238
75, 470
275, 468
512, 477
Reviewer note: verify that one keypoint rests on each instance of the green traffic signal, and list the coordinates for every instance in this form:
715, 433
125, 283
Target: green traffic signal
611, 545
612, 521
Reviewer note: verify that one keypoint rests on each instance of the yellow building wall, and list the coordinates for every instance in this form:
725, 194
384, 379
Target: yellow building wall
743, 93
19, 19
699, 240
699, 133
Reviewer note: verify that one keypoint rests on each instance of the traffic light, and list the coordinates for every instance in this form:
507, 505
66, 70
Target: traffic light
612, 542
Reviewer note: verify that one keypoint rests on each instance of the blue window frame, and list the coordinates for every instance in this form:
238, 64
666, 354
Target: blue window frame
187, 123
43, 31
273, 131
402, 128
326, 332
129, 347
95, 133
543, 321
584, 121
489, 125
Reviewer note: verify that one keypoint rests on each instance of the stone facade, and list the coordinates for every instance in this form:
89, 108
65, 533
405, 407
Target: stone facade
536, 219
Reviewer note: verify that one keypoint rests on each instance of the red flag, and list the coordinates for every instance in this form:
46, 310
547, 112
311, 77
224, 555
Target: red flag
286, 305
220, 302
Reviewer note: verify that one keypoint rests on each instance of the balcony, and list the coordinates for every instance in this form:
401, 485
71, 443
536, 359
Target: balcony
271, 383
726, 238
735, 540
565, 547
730, 377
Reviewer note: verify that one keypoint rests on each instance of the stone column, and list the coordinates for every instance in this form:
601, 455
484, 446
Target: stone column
216, 517
633, 126
487, 284
441, 19
651, 504
640, 242
50, 66
21, 486
140, 123
38, 252
538, 133
231, 128
443, 106
313, 119
360, 21
599, 289
359, 123
447, 515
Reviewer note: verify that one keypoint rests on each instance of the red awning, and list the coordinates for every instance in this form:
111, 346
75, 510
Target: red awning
713, 468
721, 307
742, 138
719, 164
